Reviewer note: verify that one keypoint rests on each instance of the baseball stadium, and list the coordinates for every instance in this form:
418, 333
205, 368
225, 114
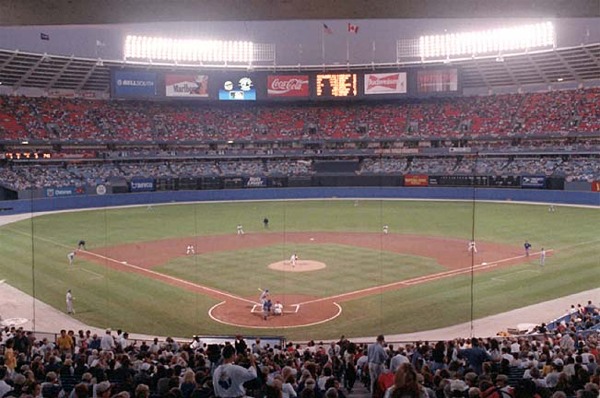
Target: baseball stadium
191, 180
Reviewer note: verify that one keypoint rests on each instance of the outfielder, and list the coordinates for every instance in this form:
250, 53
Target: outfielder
71, 257
190, 250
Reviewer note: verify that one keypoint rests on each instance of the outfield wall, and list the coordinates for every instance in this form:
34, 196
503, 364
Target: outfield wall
489, 194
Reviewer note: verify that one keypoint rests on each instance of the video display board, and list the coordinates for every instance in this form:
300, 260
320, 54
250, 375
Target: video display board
189, 85
437, 81
233, 87
341, 85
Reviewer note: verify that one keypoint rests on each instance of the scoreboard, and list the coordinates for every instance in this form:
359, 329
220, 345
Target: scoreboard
202, 85
336, 85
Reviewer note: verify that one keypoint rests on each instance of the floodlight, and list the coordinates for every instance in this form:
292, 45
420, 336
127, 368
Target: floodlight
188, 50
499, 40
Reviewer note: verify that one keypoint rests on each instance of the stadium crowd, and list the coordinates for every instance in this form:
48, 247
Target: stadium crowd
33, 176
559, 360
78, 120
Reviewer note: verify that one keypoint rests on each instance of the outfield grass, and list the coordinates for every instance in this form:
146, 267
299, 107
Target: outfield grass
105, 297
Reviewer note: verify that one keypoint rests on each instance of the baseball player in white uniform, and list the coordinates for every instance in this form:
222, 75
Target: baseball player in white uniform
69, 300
190, 250
472, 247
542, 257
386, 229
71, 257
240, 229
293, 260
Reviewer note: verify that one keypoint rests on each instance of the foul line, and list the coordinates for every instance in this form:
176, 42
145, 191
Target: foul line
172, 278
421, 279
96, 275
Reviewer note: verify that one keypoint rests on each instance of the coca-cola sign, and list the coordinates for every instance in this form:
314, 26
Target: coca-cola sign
287, 85
385, 83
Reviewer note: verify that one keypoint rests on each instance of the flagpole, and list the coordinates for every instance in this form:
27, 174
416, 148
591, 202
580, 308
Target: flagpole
323, 45
373, 54
347, 50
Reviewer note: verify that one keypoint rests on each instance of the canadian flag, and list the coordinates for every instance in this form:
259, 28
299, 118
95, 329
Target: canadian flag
352, 28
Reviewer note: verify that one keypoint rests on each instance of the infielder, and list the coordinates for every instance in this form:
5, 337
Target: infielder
542, 257
527, 246
71, 257
69, 300
386, 229
472, 247
240, 229
293, 260
190, 250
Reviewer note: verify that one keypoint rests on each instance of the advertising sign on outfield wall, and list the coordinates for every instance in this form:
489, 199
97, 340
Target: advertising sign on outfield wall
533, 181
186, 86
287, 86
64, 191
142, 185
385, 83
256, 182
416, 180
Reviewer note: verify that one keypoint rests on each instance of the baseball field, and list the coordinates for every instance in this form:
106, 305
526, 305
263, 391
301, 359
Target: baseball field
350, 278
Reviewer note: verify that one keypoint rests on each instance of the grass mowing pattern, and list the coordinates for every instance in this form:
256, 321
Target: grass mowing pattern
348, 269
141, 305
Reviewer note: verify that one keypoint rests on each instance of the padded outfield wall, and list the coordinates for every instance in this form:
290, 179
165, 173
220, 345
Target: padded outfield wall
490, 194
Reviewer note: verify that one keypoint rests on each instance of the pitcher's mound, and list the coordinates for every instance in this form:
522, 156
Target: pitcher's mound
301, 266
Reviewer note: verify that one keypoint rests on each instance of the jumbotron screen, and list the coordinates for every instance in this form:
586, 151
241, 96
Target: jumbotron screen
437, 81
337, 85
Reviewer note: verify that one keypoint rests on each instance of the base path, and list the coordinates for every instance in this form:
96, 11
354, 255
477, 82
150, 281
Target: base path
302, 310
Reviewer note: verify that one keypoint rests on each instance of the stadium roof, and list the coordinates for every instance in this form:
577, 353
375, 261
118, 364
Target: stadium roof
68, 12
576, 64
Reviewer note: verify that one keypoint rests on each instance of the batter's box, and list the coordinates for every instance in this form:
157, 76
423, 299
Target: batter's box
290, 309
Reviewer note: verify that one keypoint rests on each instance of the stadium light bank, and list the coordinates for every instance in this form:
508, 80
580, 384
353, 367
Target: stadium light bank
194, 51
494, 41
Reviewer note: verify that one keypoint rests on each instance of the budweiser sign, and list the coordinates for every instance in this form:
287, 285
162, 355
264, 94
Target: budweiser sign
385, 83
287, 86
